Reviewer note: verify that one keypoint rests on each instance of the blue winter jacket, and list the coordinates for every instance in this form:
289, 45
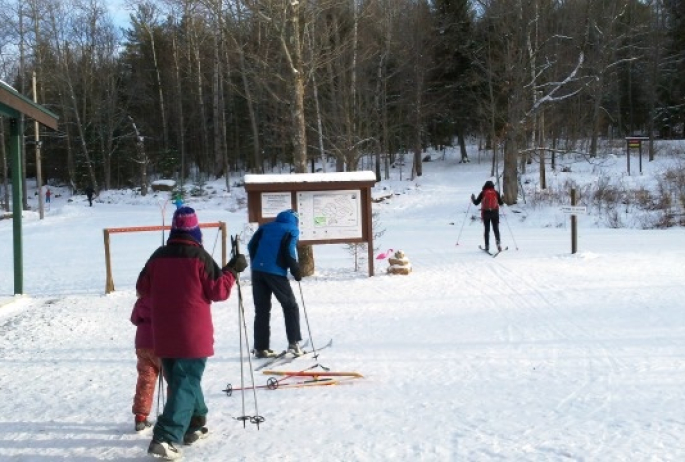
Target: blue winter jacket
273, 248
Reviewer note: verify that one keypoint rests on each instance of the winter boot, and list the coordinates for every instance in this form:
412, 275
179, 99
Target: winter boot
193, 437
294, 348
141, 423
164, 450
499, 247
264, 353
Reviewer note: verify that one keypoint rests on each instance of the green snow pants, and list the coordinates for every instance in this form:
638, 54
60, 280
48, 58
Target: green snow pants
185, 400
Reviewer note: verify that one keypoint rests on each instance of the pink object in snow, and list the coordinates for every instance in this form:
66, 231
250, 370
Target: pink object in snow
382, 256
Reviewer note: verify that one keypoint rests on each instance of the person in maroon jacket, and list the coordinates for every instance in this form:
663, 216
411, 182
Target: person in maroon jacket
181, 280
148, 364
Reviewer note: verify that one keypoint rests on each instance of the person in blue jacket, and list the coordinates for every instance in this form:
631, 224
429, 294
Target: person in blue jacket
273, 251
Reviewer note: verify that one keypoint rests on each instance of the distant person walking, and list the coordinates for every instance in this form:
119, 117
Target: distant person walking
182, 280
148, 365
48, 193
89, 194
273, 250
178, 201
489, 200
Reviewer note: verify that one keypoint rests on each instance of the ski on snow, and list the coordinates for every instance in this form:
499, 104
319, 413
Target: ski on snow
272, 360
499, 251
288, 359
283, 355
493, 255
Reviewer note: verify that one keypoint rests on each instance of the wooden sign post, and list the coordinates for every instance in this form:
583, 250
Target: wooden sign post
574, 209
634, 142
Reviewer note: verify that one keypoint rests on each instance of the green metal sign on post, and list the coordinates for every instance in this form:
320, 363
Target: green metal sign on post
13, 105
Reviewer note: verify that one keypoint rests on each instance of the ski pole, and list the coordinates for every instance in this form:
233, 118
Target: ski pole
216, 239
304, 309
163, 208
506, 220
160, 384
463, 222
256, 419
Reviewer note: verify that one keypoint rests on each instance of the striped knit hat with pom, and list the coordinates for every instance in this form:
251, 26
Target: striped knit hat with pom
185, 222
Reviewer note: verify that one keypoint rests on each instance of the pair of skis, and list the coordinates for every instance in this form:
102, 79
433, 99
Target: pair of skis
305, 378
493, 254
274, 384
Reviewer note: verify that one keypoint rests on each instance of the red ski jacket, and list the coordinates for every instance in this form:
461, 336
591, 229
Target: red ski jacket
181, 280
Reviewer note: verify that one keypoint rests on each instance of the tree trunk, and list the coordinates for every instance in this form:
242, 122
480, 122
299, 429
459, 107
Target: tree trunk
142, 160
77, 119
160, 92
462, 143
510, 171
218, 167
299, 134
179, 109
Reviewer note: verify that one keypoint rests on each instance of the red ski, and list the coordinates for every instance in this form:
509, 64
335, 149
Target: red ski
313, 373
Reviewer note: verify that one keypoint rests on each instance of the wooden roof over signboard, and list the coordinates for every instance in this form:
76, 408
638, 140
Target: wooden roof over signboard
309, 181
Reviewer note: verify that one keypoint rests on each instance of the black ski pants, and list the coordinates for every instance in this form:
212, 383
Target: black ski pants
491, 217
264, 285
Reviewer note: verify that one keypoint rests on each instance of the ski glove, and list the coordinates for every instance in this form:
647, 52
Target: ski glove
297, 274
236, 264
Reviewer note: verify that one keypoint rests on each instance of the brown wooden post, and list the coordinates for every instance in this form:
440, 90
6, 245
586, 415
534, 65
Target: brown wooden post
574, 224
222, 225
628, 155
366, 198
109, 281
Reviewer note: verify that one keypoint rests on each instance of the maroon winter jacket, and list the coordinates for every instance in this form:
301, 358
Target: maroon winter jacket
181, 279
141, 318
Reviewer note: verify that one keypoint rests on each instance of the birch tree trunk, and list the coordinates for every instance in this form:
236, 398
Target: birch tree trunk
142, 159
160, 90
179, 109
218, 169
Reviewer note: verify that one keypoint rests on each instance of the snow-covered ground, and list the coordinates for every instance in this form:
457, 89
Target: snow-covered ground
536, 355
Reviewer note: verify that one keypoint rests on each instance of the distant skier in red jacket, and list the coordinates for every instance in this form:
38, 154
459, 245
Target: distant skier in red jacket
490, 200
182, 279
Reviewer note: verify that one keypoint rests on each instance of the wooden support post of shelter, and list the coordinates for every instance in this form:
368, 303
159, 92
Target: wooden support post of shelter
13, 105
333, 208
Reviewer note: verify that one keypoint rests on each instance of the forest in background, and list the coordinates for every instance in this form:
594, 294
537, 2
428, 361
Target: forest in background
196, 89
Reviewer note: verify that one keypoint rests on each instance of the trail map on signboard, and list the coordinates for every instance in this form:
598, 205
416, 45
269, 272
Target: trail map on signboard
329, 215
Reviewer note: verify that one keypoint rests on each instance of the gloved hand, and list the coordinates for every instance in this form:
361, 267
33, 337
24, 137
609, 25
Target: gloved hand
237, 263
473, 197
297, 274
